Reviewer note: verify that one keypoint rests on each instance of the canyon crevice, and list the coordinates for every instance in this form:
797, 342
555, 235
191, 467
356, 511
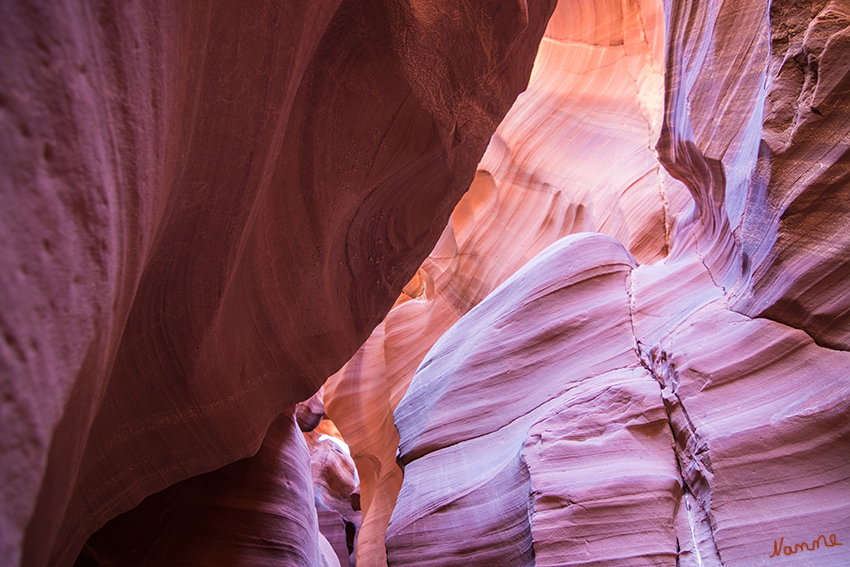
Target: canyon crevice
479, 283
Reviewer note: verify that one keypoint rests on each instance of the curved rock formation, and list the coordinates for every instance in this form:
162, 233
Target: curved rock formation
797, 248
538, 181
528, 447
542, 423
258, 511
561, 444
335, 483
629, 345
207, 209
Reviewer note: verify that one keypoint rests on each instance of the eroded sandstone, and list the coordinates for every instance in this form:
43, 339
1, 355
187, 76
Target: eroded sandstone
730, 407
208, 208
627, 347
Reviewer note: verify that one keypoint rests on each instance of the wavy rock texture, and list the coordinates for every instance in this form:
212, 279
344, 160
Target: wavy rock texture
207, 209
759, 413
534, 414
570, 454
335, 482
654, 421
210, 206
258, 511
538, 181
799, 254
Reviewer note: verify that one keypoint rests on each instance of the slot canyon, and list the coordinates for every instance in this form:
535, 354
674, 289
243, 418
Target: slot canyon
440, 283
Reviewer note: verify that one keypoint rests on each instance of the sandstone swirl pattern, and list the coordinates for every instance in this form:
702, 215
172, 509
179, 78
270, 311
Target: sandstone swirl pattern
629, 345
573, 154
676, 429
207, 208
757, 409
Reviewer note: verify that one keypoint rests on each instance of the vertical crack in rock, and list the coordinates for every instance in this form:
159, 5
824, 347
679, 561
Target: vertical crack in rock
690, 451
687, 499
630, 292
532, 494
665, 206
707, 269
678, 553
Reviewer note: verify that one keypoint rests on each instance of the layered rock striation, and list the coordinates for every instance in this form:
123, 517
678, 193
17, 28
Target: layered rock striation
574, 154
628, 346
207, 209
604, 408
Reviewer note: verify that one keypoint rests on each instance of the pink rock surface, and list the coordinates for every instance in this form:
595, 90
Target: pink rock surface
257, 511
758, 461
799, 262
628, 347
530, 450
759, 412
586, 273
309, 413
207, 209
604, 484
578, 460
538, 181
334, 481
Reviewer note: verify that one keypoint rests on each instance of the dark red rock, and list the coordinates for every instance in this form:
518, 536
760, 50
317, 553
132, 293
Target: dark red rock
207, 209
258, 511
309, 413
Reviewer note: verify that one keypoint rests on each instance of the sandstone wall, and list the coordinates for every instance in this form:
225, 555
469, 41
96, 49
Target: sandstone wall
628, 345
607, 408
208, 206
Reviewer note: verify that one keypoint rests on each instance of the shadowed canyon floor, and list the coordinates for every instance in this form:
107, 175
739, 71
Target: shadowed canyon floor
629, 345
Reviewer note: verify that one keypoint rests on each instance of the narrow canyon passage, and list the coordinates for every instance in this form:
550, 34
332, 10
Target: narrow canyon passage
377, 282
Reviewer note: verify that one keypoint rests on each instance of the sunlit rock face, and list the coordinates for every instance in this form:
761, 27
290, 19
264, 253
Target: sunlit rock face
617, 402
207, 208
627, 347
574, 154
568, 435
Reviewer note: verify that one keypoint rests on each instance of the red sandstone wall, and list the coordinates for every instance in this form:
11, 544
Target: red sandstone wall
208, 207
543, 421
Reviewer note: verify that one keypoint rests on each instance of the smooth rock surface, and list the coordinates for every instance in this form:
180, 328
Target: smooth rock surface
759, 413
629, 345
578, 490
718, 438
208, 207
574, 399
335, 480
760, 448
258, 511
564, 160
